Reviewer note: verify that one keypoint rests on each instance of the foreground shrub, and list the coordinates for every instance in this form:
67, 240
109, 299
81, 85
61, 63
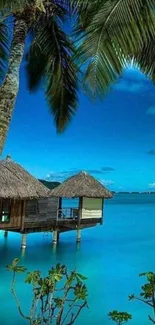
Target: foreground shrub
119, 317
57, 298
147, 296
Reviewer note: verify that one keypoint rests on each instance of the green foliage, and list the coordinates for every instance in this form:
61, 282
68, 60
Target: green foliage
147, 296
108, 34
50, 56
58, 298
119, 317
111, 34
57, 70
14, 267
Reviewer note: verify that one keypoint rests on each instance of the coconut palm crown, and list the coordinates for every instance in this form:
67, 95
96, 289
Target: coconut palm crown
115, 32
49, 57
110, 34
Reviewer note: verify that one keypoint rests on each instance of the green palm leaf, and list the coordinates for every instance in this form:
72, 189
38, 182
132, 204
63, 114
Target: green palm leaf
11, 6
128, 21
145, 58
39, 56
61, 75
50, 60
117, 29
36, 65
81, 6
105, 64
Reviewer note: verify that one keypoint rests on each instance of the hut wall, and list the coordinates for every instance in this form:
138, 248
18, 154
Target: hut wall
44, 209
13, 210
92, 208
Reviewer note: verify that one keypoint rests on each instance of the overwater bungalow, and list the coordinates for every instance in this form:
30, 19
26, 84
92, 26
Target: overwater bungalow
27, 206
91, 194
23, 200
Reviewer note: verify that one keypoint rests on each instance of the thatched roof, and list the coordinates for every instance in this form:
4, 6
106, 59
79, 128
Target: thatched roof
81, 185
17, 183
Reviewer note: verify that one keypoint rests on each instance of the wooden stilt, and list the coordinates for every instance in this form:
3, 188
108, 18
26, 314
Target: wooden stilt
78, 236
5, 233
23, 241
55, 236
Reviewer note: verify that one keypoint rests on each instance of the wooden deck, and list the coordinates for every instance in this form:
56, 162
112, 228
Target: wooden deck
62, 220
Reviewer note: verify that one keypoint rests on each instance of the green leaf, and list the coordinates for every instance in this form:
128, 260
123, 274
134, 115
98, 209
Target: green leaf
80, 291
51, 61
112, 32
119, 317
57, 273
38, 57
33, 277
82, 277
132, 297
14, 267
12, 5
15, 262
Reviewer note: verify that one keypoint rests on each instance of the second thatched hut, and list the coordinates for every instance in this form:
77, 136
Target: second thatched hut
91, 194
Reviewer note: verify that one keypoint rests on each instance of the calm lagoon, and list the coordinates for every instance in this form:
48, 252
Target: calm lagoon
110, 256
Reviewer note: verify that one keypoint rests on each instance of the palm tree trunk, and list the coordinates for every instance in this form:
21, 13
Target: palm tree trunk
10, 86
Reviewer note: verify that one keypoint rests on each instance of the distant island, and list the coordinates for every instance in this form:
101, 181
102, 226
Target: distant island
52, 185
137, 193
48, 184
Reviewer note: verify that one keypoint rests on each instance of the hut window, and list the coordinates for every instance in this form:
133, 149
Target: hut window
5, 209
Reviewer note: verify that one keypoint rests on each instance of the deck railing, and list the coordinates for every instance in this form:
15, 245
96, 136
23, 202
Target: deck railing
67, 213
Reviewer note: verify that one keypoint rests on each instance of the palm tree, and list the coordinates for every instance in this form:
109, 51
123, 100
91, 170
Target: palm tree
49, 57
111, 34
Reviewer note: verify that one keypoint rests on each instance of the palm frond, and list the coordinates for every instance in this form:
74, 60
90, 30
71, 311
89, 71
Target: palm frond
10, 7
104, 64
61, 78
37, 56
12, 4
128, 21
36, 65
145, 58
3, 49
116, 30
81, 6
52, 10
55, 64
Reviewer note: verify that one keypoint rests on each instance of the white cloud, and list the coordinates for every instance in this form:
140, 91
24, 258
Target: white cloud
130, 86
151, 110
134, 73
49, 175
107, 182
61, 176
152, 185
53, 176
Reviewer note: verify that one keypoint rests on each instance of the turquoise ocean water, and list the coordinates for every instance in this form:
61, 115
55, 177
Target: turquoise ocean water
110, 256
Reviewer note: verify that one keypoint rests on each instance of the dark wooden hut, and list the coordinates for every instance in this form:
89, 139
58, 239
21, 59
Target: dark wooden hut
25, 205
91, 194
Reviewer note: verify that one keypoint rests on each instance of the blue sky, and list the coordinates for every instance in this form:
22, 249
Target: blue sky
113, 139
